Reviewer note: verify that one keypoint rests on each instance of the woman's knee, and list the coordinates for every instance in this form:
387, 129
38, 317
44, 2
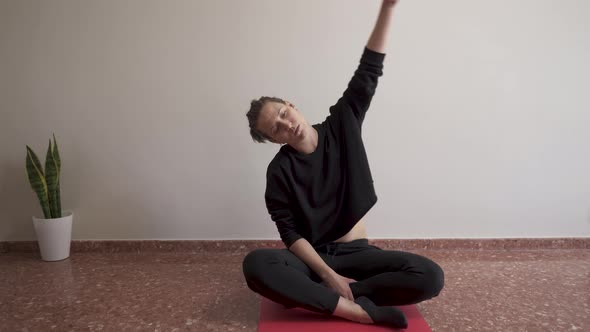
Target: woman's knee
257, 262
434, 277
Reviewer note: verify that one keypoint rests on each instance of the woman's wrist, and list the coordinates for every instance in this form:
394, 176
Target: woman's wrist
327, 273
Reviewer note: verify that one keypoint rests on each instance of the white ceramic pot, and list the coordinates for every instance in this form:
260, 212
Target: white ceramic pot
54, 236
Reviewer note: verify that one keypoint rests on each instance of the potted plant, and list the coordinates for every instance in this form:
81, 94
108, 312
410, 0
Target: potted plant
54, 231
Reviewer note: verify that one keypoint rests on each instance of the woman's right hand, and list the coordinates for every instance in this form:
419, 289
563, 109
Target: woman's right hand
340, 284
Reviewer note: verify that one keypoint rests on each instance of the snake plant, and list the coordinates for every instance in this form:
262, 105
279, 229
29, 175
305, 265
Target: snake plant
46, 183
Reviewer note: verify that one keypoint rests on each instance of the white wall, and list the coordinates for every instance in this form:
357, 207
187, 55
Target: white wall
479, 128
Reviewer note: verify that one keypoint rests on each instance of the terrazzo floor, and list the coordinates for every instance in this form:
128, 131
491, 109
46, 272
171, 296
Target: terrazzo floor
485, 290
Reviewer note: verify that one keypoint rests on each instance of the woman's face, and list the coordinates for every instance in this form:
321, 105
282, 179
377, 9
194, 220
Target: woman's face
283, 123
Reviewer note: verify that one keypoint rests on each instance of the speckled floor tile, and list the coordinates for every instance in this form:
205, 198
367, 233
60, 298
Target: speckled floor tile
486, 290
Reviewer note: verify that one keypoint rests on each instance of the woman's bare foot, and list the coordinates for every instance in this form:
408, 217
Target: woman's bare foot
349, 310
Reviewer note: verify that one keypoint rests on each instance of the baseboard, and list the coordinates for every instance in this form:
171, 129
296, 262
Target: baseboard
111, 246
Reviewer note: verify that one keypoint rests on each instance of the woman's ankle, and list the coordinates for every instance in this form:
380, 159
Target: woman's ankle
351, 311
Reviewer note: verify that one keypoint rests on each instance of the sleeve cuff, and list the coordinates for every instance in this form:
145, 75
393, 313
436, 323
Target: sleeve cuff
372, 56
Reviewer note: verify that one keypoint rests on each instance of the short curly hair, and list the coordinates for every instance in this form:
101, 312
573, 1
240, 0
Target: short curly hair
253, 114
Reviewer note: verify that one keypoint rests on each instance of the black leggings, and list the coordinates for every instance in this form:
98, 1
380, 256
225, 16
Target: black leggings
387, 277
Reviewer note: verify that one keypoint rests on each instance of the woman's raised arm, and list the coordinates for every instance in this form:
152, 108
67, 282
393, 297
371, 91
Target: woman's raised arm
380, 35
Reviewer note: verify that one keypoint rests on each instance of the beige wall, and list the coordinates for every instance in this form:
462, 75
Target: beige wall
479, 128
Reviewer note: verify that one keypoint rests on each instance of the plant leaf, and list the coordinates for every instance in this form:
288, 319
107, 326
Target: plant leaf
56, 156
37, 180
51, 179
57, 159
58, 197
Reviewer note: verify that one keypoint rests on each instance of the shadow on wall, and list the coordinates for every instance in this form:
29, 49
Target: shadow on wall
19, 203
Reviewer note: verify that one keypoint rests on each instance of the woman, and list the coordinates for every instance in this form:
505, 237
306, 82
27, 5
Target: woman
319, 187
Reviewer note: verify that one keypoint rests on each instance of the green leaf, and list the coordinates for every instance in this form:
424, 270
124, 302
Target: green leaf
52, 181
37, 181
58, 197
56, 156
57, 159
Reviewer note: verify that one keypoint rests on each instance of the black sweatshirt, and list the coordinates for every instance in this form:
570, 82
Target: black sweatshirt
322, 195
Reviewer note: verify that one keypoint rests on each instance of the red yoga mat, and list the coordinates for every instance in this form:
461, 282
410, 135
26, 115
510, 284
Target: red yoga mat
275, 317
